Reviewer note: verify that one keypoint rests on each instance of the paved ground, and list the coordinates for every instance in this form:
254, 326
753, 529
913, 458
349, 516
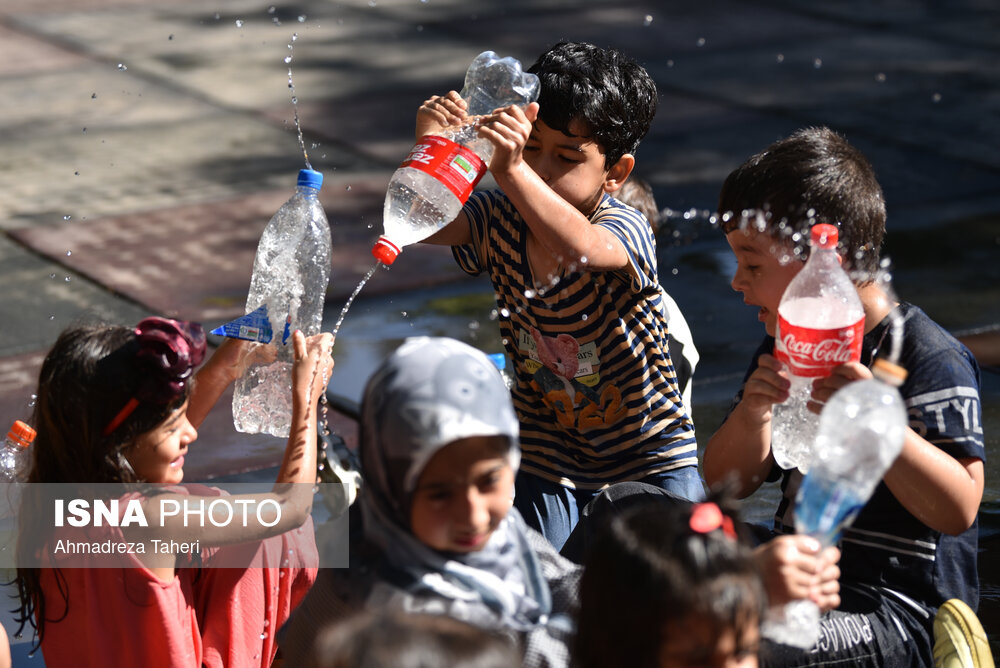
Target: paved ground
145, 144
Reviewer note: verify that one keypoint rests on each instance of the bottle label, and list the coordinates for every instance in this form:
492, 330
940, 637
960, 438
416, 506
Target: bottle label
813, 353
454, 165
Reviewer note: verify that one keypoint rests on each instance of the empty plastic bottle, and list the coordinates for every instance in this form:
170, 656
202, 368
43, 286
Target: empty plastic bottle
820, 325
15, 453
860, 434
291, 272
440, 172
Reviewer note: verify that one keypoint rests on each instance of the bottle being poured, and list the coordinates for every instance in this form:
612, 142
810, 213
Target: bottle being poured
428, 189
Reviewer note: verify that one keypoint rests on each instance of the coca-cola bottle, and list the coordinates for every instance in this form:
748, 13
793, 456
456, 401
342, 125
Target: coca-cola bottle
821, 325
436, 178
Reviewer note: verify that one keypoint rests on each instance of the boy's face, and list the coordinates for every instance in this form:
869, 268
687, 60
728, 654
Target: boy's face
463, 494
572, 165
764, 268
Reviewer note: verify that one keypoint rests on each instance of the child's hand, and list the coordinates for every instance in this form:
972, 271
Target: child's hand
508, 130
795, 567
766, 386
312, 364
824, 388
440, 112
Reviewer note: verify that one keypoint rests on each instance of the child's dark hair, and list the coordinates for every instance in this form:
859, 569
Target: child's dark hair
666, 561
411, 640
609, 92
812, 176
100, 388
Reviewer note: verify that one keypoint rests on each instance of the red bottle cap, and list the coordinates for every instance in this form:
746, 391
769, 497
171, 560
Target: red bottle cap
385, 251
824, 235
21, 434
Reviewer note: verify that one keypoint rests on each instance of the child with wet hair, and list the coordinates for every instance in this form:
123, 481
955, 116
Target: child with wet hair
669, 584
436, 530
122, 405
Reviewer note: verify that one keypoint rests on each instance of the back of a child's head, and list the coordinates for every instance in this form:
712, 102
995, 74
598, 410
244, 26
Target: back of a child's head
656, 567
88, 378
812, 176
638, 194
610, 93
411, 640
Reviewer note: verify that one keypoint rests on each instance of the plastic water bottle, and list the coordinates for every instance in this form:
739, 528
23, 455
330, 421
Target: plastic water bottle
820, 325
290, 276
861, 431
15, 453
436, 178
500, 362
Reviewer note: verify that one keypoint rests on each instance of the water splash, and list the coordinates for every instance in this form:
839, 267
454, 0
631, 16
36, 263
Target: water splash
295, 100
350, 300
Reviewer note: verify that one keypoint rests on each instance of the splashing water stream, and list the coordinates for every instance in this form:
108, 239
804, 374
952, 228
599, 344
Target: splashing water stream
350, 300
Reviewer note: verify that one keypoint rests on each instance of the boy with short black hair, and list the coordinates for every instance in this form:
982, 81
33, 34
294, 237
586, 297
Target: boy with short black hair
576, 285
913, 546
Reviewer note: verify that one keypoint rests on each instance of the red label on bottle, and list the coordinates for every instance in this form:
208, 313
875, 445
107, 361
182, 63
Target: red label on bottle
813, 353
454, 165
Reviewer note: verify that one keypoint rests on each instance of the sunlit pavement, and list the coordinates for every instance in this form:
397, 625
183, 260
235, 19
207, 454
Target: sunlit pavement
145, 145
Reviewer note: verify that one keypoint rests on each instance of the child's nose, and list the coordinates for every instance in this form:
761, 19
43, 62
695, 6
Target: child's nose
475, 511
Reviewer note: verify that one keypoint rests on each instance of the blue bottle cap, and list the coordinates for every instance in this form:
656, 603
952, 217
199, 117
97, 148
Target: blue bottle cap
310, 178
499, 360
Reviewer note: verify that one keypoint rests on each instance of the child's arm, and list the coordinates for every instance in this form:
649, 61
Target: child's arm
742, 445
942, 492
229, 361
558, 225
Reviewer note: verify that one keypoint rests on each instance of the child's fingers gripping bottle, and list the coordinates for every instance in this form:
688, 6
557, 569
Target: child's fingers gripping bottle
820, 325
436, 178
860, 435
291, 272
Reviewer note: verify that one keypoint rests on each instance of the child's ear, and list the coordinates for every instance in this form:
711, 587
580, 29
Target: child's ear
619, 172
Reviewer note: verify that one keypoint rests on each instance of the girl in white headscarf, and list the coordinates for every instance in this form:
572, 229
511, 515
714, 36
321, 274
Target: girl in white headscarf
439, 451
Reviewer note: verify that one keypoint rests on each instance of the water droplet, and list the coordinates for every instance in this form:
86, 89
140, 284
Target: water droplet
271, 9
370, 226
474, 325
403, 313
505, 312
67, 217
276, 21
217, 16
32, 400
348, 188
320, 466
122, 67
701, 41
239, 23
529, 293
674, 271
266, 623
880, 77
85, 130
68, 279
583, 260
583, 316
780, 58
670, 63
288, 59
93, 96
371, 3
68, 253
648, 20
818, 63
76, 173
52, 276
52, 317
295, 36
936, 97
302, 18
295, 99
170, 37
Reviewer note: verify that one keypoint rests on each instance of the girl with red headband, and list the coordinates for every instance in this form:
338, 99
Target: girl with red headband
122, 405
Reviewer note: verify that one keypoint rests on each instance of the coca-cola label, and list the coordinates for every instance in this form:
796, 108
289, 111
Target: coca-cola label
813, 353
454, 165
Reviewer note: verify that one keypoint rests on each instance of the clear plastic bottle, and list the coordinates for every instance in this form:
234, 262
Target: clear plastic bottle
15, 453
820, 325
291, 272
437, 177
860, 434
500, 362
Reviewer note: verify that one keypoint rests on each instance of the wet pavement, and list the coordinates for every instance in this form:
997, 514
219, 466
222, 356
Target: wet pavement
145, 145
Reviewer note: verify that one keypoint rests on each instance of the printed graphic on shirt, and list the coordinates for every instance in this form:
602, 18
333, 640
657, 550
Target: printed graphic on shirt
566, 376
954, 410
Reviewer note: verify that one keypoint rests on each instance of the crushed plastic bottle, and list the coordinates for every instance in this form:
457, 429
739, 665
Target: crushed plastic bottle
290, 276
860, 435
820, 325
428, 189
14, 456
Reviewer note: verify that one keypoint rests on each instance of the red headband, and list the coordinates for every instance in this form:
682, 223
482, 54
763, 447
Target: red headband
168, 350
